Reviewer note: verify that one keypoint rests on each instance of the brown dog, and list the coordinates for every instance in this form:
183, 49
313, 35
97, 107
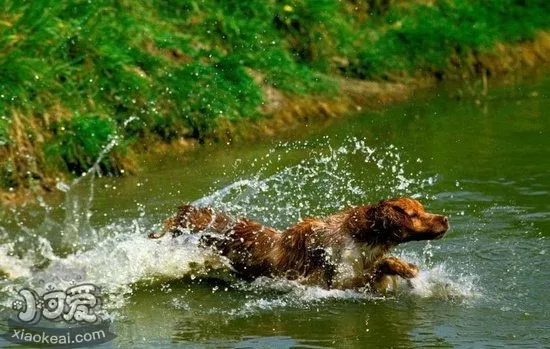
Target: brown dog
344, 250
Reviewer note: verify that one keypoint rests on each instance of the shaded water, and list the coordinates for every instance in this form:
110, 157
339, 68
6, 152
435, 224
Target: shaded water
485, 164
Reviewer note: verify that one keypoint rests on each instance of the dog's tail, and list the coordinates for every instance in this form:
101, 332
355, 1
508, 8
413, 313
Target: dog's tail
193, 219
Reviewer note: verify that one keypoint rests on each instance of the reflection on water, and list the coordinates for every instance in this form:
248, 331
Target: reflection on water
484, 284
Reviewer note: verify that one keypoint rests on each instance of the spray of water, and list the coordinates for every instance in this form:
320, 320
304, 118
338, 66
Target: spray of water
331, 178
121, 259
78, 211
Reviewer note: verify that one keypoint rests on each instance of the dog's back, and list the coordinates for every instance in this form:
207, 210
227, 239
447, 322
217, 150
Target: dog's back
247, 244
194, 219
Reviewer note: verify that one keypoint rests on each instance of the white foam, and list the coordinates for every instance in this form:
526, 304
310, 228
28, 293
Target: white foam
117, 263
438, 280
290, 294
12, 265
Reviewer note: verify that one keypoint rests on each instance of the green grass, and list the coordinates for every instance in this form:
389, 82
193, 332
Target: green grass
425, 37
73, 72
76, 143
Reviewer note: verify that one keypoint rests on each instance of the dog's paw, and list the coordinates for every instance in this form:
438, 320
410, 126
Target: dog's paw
410, 271
397, 266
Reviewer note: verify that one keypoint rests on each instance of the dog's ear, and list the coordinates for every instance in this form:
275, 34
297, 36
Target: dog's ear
373, 224
362, 223
386, 216
389, 221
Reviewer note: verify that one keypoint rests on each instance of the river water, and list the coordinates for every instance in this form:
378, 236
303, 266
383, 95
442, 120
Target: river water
482, 160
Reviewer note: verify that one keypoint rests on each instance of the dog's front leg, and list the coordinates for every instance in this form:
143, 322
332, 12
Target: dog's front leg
396, 266
387, 271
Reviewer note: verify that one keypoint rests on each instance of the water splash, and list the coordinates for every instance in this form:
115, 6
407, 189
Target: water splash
13, 266
288, 294
330, 178
78, 210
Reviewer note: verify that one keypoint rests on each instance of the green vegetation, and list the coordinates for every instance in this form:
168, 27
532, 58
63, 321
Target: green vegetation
426, 37
75, 74
77, 142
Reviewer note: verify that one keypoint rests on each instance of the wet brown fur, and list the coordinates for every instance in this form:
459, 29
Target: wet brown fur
345, 250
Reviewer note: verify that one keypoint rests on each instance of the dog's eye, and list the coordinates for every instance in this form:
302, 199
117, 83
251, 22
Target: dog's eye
413, 214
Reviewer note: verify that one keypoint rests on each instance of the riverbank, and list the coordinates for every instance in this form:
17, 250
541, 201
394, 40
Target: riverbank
144, 78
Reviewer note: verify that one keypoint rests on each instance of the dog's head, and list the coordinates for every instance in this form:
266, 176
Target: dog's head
404, 219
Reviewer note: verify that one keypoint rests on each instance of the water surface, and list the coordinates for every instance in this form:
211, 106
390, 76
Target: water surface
484, 161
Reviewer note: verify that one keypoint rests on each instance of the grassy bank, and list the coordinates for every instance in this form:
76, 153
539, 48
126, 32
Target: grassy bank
78, 75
